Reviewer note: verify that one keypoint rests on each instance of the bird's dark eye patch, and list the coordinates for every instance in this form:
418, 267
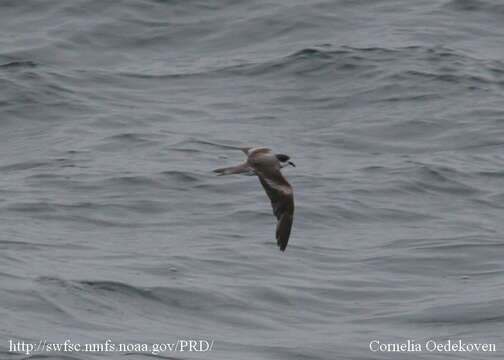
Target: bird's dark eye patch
282, 157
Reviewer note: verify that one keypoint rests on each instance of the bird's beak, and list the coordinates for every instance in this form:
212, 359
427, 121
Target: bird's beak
291, 163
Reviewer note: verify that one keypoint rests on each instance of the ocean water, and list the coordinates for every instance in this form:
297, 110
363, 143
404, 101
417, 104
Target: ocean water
113, 227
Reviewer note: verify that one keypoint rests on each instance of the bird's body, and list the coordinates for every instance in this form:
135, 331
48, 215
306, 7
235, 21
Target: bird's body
266, 165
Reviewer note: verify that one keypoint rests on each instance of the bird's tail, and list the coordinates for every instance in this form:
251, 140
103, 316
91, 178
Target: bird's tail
240, 169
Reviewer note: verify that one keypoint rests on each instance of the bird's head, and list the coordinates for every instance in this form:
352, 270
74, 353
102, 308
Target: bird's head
284, 160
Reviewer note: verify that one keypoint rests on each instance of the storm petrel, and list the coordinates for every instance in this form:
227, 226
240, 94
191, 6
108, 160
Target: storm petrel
266, 165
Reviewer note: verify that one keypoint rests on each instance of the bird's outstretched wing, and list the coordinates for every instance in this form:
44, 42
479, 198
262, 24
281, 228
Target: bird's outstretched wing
245, 149
282, 200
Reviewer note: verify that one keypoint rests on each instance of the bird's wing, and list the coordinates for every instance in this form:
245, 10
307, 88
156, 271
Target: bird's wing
245, 150
282, 200
252, 149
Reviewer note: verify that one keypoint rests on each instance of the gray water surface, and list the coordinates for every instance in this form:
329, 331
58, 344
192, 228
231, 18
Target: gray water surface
112, 225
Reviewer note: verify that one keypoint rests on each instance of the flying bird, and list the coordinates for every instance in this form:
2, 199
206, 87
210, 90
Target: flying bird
266, 165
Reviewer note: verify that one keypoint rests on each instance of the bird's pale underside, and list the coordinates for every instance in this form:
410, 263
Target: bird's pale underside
266, 165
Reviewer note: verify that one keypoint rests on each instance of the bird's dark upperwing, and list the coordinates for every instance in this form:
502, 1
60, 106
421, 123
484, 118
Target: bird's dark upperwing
282, 200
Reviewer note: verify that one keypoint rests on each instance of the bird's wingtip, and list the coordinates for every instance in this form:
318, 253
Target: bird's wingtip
282, 245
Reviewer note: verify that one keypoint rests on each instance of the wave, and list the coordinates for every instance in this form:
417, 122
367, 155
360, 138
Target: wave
488, 6
177, 297
484, 312
389, 65
19, 64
